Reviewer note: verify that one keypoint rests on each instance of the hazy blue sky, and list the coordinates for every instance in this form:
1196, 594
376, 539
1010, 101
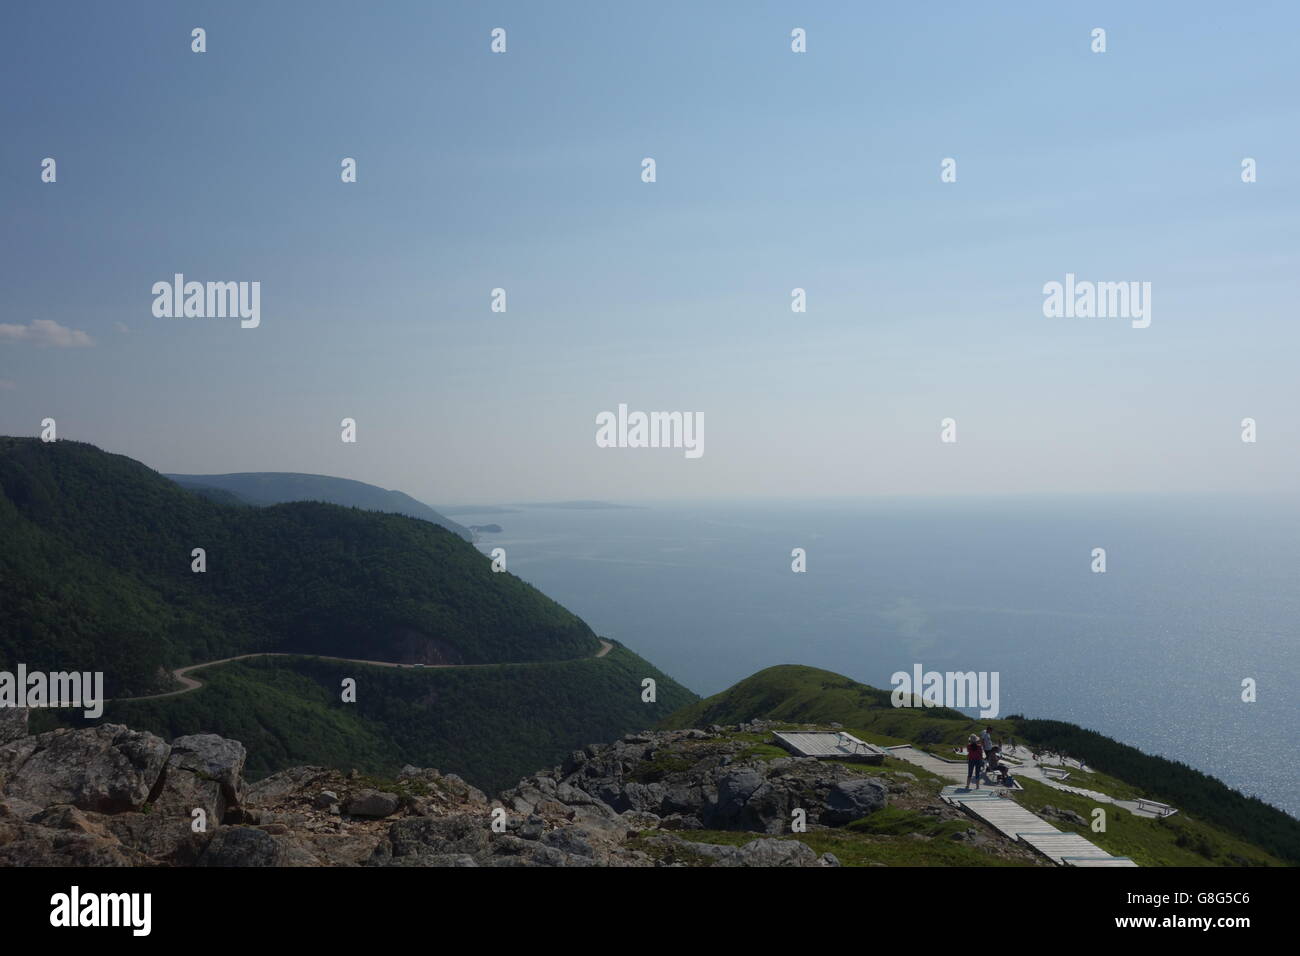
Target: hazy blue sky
775, 170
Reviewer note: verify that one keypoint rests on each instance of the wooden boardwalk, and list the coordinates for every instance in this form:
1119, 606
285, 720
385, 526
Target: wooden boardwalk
948, 769
1017, 823
1001, 813
1059, 845
1049, 775
1009, 818
1099, 861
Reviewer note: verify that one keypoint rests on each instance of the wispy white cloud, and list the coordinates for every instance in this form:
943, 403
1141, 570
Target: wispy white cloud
45, 333
121, 327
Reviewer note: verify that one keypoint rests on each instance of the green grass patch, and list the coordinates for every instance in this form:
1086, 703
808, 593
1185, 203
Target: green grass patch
664, 764
762, 752
895, 821
1173, 841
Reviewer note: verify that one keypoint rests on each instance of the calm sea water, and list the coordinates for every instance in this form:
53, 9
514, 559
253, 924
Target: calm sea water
1198, 594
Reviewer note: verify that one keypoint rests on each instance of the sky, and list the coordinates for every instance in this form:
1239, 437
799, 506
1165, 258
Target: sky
775, 170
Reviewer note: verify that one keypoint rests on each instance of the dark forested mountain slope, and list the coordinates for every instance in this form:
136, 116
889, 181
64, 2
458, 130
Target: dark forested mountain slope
95, 573
281, 487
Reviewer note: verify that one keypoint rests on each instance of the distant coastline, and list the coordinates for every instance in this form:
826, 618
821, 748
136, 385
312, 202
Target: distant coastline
517, 507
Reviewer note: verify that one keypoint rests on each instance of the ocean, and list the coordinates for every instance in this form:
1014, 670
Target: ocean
1198, 595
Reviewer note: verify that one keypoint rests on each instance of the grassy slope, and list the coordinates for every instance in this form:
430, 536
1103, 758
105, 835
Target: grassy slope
1182, 840
808, 695
1227, 829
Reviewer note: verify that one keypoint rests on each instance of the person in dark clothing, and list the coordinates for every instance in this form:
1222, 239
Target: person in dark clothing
974, 761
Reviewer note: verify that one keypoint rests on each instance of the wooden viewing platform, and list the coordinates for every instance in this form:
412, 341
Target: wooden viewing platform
829, 745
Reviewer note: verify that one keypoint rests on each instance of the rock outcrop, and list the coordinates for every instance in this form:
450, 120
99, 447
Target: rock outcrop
110, 796
692, 780
13, 723
108, 768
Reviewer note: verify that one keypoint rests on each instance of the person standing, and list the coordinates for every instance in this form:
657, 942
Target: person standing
986, 744
974, 761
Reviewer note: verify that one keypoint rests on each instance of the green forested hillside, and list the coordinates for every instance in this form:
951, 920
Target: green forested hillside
1211, 814
492, 725
95, 574
280, 487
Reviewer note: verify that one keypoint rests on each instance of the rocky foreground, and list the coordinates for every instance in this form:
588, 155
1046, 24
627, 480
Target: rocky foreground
111, 796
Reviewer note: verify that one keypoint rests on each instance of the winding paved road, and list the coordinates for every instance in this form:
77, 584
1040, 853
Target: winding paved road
190, 683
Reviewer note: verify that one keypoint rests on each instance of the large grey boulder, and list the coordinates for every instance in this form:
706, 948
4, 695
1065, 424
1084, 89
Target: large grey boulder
240, 846
251, 846
643, 796
769, 808
163, 838
734, 790
748, 799
509, 850
761, 852
574, 796
341, 849
204, 771
853, 799
285, 783
421, 837
67, 842
571, 840
108, 768
688, 798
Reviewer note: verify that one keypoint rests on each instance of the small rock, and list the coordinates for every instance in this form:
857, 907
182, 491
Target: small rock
532, 828
372, 803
